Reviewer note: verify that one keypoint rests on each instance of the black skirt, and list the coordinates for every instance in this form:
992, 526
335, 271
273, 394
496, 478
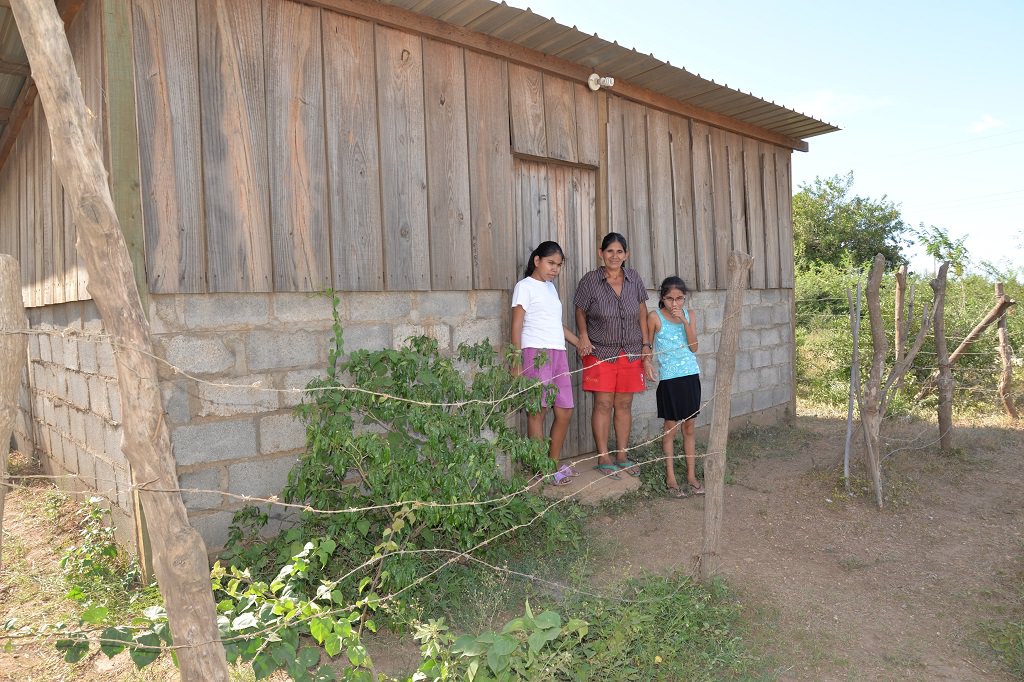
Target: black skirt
679, 398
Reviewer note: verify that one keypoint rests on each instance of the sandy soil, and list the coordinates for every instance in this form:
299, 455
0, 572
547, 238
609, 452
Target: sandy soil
841, 590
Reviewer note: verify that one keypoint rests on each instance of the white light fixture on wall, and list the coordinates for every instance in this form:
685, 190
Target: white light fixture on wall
597, 82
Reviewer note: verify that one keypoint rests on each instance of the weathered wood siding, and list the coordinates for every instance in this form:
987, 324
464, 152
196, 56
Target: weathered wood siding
284, 146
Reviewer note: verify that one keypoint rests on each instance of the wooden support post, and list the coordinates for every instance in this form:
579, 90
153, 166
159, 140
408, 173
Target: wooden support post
945, 379
179, 554
854, 380
1002, 305
1006, 379
12, 360
714, 462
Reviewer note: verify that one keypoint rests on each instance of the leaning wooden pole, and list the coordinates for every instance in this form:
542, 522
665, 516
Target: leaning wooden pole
179, 554
1006, 378
871, 406
714, 462
945, 378
13, 327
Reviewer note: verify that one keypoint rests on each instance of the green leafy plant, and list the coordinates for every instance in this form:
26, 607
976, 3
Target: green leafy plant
416, 430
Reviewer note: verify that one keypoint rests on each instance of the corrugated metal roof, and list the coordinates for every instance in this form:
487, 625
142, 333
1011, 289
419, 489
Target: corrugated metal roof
523, 27
526, 29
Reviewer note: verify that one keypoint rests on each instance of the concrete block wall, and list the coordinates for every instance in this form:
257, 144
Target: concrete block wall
70, 408
234, 366
237, 364
762, 386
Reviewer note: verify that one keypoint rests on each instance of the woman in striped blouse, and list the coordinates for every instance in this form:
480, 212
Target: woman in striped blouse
611, 318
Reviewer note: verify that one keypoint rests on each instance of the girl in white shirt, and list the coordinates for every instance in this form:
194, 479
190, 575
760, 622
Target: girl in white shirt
537, 328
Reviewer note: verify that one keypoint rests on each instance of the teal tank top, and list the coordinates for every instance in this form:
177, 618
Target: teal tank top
675, 359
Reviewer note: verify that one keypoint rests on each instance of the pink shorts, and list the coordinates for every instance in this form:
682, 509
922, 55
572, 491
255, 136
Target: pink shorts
619, 375
554, 372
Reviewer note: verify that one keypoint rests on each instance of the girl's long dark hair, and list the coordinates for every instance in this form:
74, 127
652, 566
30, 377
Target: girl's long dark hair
667, 285
543, 250
611, 238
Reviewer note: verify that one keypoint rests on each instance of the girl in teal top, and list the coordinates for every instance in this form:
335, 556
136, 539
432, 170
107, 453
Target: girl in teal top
678, 395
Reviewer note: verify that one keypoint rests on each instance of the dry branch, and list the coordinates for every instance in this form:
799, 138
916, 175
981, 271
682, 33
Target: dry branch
714, 462
1002, 305
945, 380
1006, 378
179, 553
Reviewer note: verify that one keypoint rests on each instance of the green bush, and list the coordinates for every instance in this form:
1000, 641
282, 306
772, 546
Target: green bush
408, 430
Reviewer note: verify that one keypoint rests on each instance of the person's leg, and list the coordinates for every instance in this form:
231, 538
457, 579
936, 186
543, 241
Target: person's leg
623, 406
668, 435
689, 449
559, 427
535, 424
600, 420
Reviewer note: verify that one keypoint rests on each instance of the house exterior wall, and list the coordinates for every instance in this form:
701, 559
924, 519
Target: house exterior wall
233, 366
412, 209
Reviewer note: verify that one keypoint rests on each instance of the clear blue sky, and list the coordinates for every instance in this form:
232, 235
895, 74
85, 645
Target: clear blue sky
929, 96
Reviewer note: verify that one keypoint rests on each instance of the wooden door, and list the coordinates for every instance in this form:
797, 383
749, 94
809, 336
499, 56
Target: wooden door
558, 202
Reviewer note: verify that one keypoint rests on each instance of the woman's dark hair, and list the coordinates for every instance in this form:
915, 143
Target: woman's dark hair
611, 238
667, 285
543, 250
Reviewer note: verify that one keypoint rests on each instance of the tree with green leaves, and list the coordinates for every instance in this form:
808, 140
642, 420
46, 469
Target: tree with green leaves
938, 244
833, 225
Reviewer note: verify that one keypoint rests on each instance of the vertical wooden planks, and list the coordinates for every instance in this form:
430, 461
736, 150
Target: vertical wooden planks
755, 210
123, 135
353, 161
403, 159
444, 82
526, 101
234, 151
773, 273
682, 198
295, 134
703, 208
491, 177
27, 214
722, 208
44, 210
737, 193
663, 232
588, 134
616, 170
784, 192
9, 191
560, 118
638, 212
167, 101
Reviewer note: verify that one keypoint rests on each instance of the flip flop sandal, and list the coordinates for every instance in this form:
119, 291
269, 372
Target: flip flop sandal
602, 468
696, 489
560, 479
677, 493
568, 471
630, 467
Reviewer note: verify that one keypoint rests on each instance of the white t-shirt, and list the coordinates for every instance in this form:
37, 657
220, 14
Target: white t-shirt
542, 325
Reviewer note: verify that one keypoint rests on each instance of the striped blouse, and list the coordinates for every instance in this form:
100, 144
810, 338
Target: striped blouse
613, 321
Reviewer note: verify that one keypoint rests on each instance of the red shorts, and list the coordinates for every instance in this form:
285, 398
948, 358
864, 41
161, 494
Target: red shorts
619, 375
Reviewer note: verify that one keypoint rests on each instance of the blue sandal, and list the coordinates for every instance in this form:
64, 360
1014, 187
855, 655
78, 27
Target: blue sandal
609, 467
630, 467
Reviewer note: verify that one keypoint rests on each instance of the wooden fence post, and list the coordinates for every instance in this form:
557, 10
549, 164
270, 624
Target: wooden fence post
179, 554
714, 461
1006, 379
12, 360
945, 380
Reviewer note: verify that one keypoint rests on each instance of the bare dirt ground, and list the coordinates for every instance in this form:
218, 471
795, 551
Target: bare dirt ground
833, 588
838, 589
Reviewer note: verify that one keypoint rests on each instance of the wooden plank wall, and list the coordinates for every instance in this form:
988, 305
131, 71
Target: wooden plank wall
287, 147
685, 194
